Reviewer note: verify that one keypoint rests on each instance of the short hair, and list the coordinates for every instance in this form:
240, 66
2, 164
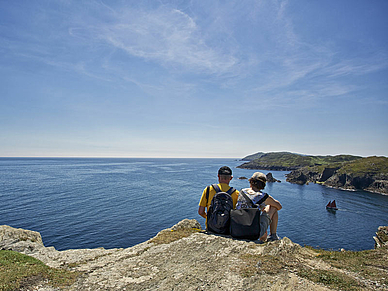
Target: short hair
259, 184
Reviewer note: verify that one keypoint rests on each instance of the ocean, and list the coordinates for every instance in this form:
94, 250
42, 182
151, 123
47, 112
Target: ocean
117, 203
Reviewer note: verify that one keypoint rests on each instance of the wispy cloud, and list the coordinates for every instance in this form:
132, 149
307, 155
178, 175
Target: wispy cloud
164, 35
269, 56
356, 67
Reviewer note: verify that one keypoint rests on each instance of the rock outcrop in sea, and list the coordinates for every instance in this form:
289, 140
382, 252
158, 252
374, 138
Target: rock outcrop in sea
381, 238
271, 179
332, 177
184, 257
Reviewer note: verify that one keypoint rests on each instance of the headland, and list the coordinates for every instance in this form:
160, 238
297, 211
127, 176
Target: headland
184, 257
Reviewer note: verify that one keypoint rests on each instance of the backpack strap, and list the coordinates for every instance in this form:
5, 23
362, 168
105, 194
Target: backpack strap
248, 200
207, 194
217, 188
263, 199
231, 190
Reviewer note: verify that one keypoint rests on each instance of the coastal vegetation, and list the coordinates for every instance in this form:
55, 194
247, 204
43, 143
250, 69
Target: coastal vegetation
341, 171
19, 271
338, 270
284, 161
185, 257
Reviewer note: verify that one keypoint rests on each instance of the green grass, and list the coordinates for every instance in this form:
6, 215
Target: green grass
371, 264
333, 279
20, 271
290, 160
370, 165
349, 270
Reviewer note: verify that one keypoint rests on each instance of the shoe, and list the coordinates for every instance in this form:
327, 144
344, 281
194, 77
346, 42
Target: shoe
273, 237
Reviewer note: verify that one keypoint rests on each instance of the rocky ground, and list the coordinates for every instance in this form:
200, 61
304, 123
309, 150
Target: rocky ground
186, 258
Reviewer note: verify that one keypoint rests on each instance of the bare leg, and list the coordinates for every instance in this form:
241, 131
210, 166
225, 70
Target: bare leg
273, 214
274, 224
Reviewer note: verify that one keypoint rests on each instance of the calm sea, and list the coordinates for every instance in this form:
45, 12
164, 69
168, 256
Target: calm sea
89, 203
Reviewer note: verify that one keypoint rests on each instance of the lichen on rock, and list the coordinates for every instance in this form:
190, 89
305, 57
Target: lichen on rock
197, 260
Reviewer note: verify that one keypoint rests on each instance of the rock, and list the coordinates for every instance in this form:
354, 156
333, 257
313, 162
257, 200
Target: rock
332, 177
381, 238
187, 223
242, 178
200, 261
271, 179
19, 239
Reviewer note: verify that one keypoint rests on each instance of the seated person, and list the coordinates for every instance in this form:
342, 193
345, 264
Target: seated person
267, 204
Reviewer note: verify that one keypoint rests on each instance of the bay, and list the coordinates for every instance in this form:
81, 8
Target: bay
111, 203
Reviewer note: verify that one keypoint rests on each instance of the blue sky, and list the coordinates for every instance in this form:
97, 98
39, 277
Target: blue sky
193, 78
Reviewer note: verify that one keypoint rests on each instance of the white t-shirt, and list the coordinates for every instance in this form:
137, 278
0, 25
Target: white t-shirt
256, 197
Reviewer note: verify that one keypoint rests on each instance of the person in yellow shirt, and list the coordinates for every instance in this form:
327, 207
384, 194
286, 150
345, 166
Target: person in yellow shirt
224, 178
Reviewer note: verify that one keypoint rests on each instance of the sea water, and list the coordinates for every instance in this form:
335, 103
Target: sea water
117, 203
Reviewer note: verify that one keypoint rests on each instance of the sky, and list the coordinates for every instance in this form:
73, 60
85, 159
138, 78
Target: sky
213, 79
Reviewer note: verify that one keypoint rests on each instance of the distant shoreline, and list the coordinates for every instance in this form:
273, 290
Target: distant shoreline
343, 172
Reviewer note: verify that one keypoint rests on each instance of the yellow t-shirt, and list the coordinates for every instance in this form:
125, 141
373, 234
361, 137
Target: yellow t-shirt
212, 192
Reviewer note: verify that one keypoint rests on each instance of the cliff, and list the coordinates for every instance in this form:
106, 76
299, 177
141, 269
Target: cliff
186, 258
342, 171
381, 238
369, 174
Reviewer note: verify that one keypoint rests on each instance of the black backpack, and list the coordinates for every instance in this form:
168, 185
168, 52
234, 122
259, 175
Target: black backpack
218, 215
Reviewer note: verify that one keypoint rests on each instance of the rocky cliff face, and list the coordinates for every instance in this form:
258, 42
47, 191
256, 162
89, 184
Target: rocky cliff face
187, 258
381, 238
333, 177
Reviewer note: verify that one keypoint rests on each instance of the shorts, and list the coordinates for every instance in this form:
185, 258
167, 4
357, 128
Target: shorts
265, 221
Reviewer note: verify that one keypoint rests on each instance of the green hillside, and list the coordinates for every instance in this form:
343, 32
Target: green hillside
253, 156
366, 166
290, 161
341, 171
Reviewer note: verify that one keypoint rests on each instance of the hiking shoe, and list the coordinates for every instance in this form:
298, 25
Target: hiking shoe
273, 237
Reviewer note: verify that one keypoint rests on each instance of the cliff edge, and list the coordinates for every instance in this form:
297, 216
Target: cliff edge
185, 257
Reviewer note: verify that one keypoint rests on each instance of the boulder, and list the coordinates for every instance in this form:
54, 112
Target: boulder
19, 239
381, 238
271, 179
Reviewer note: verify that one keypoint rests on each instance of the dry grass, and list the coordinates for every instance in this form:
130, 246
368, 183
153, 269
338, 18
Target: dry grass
344, 270
167, 236
18, 272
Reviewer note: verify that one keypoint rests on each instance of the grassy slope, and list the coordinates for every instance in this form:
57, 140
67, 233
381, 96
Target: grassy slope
253, 156
370, 165
18, 271
348, 270
290, 160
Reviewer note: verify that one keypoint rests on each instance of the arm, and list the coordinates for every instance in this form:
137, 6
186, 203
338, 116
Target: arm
201, 211
273, 202
203, 203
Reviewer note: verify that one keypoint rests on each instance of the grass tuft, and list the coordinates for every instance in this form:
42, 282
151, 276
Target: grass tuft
168, 236
347, 270
18, 271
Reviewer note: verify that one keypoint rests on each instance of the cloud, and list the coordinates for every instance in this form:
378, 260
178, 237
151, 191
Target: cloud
357, 67
166, 36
